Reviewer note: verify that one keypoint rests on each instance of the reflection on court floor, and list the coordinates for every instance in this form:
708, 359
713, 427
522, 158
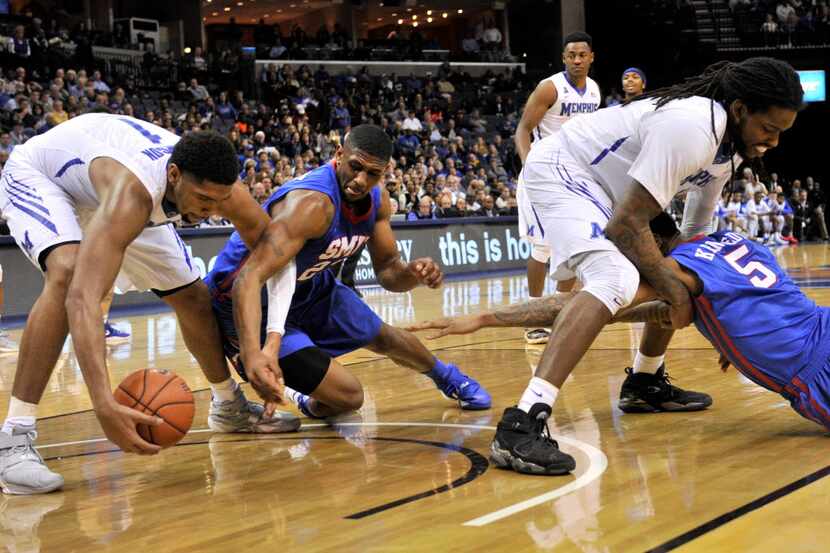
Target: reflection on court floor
408, 472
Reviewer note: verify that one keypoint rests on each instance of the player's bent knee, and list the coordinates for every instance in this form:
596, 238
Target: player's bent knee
352, 398
610, 277
60, 267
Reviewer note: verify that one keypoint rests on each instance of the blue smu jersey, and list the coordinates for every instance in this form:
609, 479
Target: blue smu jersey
752, 311
346, 234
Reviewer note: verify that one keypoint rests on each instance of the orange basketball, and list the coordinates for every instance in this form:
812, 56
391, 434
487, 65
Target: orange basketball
163, 394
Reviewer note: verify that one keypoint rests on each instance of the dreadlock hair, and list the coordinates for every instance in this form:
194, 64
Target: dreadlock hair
760, 83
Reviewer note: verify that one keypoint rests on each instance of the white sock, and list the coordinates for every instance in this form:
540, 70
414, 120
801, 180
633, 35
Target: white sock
225, 390
538, 390
646, 364
292, 394
20, 414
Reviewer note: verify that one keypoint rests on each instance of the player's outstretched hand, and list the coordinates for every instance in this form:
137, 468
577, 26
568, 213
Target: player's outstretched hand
265, 376
465, 324
426, 271
119, 425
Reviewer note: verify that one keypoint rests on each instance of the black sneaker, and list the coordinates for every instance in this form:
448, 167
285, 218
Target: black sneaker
652, 393
522, 443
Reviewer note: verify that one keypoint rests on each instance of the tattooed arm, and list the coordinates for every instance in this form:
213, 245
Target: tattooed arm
657, 312
301, 216
541, 312
628, 229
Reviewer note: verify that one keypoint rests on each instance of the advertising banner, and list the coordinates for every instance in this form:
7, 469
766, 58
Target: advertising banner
478, 245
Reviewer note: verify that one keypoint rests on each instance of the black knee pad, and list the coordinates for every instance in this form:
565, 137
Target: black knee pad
305, 369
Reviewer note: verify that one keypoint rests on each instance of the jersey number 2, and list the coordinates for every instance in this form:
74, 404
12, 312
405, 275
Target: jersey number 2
766, 278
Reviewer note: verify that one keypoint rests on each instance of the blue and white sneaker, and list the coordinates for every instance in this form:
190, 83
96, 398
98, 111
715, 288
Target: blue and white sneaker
114, 336
302, 402
302, 405
458, 386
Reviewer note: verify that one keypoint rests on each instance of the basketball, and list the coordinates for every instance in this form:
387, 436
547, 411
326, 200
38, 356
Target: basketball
161, 393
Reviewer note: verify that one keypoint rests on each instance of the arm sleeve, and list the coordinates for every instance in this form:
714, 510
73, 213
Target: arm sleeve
675, 147
701, 204
280, 291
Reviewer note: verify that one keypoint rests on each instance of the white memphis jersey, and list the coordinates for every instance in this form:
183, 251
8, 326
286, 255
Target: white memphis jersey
570, 102
668, 150
65, 152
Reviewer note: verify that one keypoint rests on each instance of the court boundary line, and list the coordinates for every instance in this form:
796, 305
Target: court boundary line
738, 512
597, 463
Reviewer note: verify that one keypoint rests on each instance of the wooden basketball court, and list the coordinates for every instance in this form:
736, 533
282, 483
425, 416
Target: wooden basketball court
410, 471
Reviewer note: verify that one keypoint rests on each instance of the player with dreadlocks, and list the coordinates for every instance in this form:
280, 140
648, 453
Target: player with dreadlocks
595, 186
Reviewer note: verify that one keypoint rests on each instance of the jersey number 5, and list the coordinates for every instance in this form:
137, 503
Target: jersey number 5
766, 278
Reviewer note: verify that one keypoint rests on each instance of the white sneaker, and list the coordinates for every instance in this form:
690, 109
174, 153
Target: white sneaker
7, 345
241, 415
22, 470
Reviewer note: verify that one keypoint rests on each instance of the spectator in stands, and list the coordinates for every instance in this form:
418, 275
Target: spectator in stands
396, 191
197, 91
816, 199
18, 133
394, 207
6, 145
58, 115
512, 207
750, 183
423, 211
199, 62
492, 37
19, 45
98, 83
783, 10
340, 116
803, 227
769, 30
259, 192
488, 207
445, 208
461, 206
412, 123
774, 182
225, 114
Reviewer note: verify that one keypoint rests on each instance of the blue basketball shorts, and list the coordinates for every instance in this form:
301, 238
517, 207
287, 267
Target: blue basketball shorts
326, 314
